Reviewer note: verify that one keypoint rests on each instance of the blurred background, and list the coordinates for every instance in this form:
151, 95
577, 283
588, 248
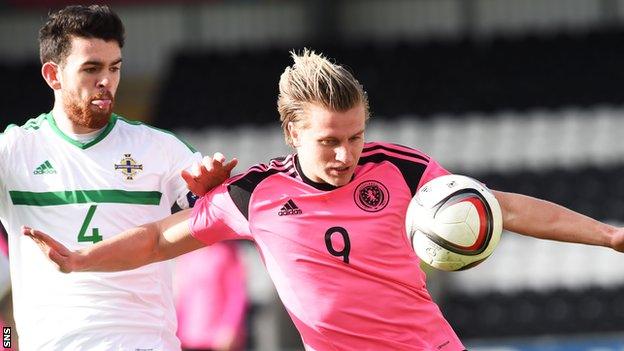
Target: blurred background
527, 96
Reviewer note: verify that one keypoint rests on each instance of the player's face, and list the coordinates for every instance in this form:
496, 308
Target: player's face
89, 78
329, 143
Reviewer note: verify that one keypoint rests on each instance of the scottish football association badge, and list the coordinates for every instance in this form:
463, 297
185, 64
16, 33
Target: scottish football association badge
371, 196
128, 167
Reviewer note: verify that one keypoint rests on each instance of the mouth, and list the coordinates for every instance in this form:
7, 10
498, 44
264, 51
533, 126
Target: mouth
339, 170
102, 103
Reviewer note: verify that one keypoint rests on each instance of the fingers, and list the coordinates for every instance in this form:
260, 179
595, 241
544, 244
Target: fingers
192, 184
30, 232
212, 171
230, 165
211, 165
194, 170
218, 157
188, 178
54, 250
45, 241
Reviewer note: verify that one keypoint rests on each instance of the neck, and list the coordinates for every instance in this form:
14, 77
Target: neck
65, 124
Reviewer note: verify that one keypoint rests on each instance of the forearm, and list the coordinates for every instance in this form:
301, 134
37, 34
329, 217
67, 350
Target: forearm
546, 220
136, 247
131, 249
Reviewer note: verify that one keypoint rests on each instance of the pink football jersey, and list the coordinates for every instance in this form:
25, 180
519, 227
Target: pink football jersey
338, 256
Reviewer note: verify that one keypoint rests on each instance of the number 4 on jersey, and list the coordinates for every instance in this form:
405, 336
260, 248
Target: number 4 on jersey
95, 233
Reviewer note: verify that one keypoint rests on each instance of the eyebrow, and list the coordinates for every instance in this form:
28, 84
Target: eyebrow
100, 63
333, 137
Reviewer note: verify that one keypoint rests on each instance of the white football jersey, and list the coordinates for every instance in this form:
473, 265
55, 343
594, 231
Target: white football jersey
81, 193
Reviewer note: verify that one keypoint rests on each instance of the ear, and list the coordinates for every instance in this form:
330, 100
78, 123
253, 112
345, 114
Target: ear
293, 131
52, 75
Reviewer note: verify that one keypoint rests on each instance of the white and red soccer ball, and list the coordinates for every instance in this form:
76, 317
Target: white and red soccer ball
453, 222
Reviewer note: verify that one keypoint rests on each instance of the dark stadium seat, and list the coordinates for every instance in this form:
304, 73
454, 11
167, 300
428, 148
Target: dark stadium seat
204, 88
531, 313
26, 96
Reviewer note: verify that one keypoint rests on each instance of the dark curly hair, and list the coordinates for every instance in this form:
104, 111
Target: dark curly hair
95, 21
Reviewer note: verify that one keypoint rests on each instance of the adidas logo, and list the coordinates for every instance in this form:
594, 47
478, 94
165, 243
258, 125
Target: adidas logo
44, 168
289, 208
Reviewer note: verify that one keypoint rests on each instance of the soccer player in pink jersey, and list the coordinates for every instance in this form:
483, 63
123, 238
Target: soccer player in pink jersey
328, 221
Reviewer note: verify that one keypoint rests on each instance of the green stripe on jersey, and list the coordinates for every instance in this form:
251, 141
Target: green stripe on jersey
54, 198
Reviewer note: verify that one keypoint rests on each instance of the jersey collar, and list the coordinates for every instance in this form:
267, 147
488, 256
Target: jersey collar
310, 182
59, 132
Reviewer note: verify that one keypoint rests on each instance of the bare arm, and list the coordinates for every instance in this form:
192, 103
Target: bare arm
136, 247
546, 220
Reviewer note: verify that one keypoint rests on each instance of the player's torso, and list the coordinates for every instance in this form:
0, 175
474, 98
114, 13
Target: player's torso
348, 226
341, 258
55, 184
82, 195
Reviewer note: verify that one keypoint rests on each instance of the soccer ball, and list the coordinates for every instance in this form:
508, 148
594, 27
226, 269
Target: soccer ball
453, 222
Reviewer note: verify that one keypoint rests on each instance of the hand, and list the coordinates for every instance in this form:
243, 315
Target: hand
61, 256
617, 240
208, 174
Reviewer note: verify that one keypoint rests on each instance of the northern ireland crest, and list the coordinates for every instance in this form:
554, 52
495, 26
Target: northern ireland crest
128, 167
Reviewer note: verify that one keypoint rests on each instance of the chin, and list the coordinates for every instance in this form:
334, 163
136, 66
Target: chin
339, 182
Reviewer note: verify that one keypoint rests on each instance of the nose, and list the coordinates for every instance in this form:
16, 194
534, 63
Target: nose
103, 82
342, 154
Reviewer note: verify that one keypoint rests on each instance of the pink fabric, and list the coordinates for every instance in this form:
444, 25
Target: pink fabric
4, 247
342, 264
5, 251
211, 299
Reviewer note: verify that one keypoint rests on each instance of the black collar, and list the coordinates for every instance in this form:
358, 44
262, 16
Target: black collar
319, 186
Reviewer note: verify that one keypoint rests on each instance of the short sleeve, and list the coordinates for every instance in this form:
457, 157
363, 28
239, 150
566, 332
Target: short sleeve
182, 156
215, 218
433, 170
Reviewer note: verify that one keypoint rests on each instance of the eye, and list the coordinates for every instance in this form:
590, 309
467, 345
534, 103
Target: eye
115, 69
328, 142
90, 69
355, 138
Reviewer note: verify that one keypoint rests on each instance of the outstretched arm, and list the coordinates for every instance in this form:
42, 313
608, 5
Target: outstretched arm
546, 220
136, 247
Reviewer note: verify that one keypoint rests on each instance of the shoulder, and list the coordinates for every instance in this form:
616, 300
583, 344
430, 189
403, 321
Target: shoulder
411, 164
145, 130
259, 172
377, 152
249, 180
242, 186
14, 133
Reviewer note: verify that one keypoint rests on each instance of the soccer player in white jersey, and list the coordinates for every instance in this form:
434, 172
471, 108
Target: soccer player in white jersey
86, 173
329, 223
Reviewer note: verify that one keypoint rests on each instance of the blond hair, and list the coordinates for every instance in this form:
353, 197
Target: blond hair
313, 79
